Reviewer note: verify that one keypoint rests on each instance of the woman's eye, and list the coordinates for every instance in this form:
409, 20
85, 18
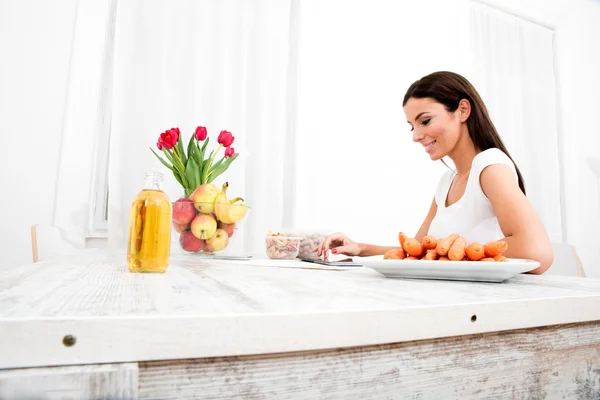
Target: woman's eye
426, 121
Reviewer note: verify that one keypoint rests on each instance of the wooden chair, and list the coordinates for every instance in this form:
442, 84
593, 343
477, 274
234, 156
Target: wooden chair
566, 261
49, 241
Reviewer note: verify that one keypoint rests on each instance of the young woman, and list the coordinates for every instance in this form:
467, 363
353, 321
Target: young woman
484, 199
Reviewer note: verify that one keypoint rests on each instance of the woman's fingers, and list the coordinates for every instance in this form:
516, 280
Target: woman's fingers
336, 239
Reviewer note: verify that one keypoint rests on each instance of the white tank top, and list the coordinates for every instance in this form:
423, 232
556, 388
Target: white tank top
472, 216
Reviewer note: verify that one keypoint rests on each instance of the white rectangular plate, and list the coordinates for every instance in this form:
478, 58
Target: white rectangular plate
477, 271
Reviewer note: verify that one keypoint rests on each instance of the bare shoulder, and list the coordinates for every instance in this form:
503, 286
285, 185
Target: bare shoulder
518, 219
498, 181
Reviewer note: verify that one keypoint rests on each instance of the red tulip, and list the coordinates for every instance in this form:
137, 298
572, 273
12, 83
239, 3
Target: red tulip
200, 133
168, 139
225, 138
229, 151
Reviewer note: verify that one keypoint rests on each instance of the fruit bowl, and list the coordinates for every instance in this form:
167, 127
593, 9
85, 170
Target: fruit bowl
206, 228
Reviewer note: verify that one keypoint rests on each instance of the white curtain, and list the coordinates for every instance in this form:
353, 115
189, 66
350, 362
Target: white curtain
514, 73
220, 64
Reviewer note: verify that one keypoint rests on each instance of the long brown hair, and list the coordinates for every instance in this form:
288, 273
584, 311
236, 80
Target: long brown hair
449, 88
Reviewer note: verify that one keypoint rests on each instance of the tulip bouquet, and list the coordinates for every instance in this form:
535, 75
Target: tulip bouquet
194, 168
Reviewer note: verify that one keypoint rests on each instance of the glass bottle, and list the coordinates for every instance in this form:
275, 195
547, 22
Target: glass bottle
149, 244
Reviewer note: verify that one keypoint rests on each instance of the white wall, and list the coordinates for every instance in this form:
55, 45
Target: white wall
364, 175
358, 170
50, 97
578, 42
577, 49
83, 111
35, 44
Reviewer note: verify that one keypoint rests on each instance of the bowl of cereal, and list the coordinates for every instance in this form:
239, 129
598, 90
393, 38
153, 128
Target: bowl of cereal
282, 247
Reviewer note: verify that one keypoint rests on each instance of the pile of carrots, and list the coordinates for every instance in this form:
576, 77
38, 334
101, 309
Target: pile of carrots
453, 248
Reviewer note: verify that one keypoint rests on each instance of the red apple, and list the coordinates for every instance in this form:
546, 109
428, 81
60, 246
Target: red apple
229, 228
190, 243
183, 211
181, 227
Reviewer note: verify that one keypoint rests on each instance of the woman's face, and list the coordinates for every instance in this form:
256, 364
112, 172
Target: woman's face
433, 126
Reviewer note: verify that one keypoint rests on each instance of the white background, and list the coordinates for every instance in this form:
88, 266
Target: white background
357, 169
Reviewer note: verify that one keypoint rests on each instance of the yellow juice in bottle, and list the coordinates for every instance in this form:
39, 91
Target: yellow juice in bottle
149, 244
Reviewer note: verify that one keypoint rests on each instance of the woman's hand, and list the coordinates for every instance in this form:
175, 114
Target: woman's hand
339, 244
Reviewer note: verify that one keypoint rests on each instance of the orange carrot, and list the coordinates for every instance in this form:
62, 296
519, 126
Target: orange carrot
431, 254
394, 254
429, 242
487, 259
413, 247
402, 238
500, 258
442, 258
443, 245
457, 250
475, 251
493, 249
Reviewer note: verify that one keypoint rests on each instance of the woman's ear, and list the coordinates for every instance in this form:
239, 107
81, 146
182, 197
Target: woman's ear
464, 110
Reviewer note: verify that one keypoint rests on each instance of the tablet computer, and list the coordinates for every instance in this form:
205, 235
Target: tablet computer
337, 263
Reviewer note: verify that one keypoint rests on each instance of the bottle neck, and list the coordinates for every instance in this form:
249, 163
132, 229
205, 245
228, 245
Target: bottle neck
153, 181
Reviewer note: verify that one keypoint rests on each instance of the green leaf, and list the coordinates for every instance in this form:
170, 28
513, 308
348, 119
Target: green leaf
175, 161
188, 172
200, 167
171, 158
201, 151
178, 167
191, 170
161, 160
222, 167
197, 156
197, 177
178, 178
205, 167
191, 147
181, 152
215, 165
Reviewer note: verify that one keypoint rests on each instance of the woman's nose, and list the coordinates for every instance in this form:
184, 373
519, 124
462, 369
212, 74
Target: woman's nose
417, 135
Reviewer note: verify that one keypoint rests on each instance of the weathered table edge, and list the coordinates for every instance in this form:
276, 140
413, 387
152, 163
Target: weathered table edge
557, 361
131, 339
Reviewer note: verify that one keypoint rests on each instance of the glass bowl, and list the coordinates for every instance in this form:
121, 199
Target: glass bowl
281, 247
206, 228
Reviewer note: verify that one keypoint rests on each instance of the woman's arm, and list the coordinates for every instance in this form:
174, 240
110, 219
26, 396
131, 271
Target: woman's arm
427, 223
525, 234
367, 250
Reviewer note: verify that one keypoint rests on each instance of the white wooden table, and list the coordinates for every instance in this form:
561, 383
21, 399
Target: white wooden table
84, 327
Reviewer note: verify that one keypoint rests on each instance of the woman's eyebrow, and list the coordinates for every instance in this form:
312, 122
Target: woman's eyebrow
419, 116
